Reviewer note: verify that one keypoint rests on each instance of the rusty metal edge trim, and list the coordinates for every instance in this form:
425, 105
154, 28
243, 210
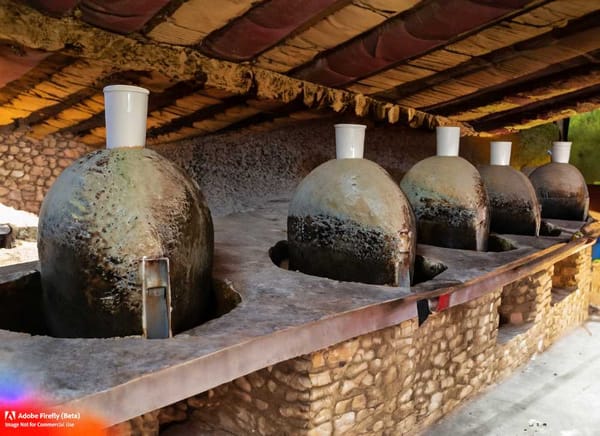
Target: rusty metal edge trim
515, 270
177, 382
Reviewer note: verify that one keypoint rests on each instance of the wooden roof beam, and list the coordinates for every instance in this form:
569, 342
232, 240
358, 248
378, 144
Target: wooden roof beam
94, 124
218, 120
525, 63
541, 112
85, 110
348, 22
503, 42
78, 77
574, 75
25, 26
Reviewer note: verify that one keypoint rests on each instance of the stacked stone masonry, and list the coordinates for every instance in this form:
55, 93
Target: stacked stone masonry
573, 271
595, 294
236, 171
524, 336
521, 299
394, 381
571, 293
28, 167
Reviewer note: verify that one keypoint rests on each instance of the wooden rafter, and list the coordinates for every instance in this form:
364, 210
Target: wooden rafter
93, 127
474, 51
542, 112
502, 70
576, 74
182, 26
23, 25
85, 110
69, 116
521, 102
201, 113
181, 107
282, 120
337, 28
232, 42
421, 30
496, 62
218, 120
269, 112
75, 78
263, 121
542, 48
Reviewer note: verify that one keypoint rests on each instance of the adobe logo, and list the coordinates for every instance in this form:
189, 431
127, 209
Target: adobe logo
10, 415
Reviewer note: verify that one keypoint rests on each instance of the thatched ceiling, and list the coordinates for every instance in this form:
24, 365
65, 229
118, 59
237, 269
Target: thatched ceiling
489, 65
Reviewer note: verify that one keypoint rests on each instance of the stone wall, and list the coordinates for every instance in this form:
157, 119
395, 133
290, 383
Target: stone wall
559, 299
521, 299
240, 170
28, 167
523, 335
236, 171
394, 381
572, 271
571, 293
595, 294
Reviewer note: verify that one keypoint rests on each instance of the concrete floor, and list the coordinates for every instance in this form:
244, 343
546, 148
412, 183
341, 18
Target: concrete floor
556, 393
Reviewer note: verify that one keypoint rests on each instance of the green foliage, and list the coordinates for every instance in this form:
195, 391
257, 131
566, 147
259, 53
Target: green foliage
535, 143
584, 131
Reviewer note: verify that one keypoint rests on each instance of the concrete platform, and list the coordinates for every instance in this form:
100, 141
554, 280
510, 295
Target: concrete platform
557, 393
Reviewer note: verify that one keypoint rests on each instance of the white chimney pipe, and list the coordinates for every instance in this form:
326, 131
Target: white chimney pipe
349, 141
561, 151
447, 141
500, 152
125, 109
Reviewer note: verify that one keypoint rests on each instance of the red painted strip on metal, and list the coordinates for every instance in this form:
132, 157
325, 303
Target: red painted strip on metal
443, 302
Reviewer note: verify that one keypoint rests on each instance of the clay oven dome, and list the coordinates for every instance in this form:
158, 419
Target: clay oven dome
449, 201
561, 191
514, 207
350, 221
101, 216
